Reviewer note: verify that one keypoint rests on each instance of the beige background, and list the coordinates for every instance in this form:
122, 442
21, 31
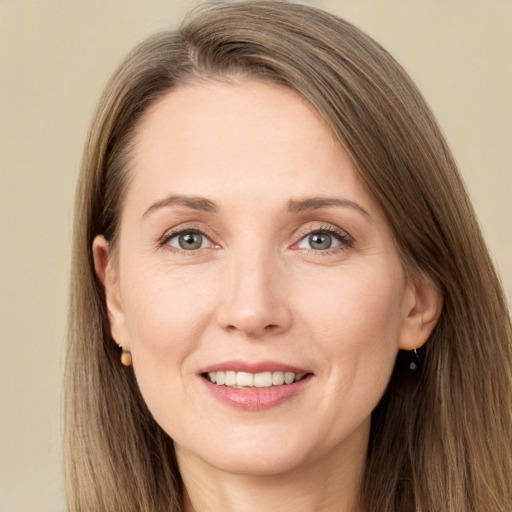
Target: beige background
54, 60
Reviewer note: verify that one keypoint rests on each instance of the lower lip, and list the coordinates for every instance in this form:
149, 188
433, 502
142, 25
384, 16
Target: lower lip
257, 399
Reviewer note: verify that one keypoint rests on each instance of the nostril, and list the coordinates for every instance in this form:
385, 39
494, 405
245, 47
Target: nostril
254, 317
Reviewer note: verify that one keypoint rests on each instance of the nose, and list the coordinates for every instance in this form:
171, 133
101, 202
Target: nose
254, 296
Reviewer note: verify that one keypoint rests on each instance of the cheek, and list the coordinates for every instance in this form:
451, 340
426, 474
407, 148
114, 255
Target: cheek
366, 298
165, 315
356, 321
164, 309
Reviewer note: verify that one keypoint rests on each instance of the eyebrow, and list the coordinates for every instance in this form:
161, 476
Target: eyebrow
193, 202
316, 203
294, 206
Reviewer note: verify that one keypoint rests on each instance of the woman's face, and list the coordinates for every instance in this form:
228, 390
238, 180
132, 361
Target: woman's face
250, 252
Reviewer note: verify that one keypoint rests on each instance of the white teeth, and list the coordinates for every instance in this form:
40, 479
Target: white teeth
257, 380
230, 379
244, 379
288, 377
263, 380
278, 378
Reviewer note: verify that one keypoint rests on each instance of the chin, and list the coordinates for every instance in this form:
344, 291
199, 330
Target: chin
258, 466
249, 458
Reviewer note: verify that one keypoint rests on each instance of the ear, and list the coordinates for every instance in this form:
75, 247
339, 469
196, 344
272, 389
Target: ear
423, 305
109, 278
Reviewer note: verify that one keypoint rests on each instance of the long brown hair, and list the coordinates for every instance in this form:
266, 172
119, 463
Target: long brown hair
441, 437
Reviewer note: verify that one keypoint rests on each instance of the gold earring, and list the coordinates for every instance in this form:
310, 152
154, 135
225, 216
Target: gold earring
126, 356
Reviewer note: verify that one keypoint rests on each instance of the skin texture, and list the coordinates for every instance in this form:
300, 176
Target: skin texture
257, 290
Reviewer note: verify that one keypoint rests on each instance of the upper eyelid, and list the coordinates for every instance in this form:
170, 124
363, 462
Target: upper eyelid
329, 228
172, 232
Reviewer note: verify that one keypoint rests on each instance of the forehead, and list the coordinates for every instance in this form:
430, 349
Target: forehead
245, 138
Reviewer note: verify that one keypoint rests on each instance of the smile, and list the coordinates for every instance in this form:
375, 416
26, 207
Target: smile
255, 386
244, 380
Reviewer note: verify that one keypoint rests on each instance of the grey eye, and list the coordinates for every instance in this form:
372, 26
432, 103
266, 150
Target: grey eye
189, 241
319, 241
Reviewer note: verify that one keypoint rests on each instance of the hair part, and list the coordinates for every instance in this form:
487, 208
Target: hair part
440, 438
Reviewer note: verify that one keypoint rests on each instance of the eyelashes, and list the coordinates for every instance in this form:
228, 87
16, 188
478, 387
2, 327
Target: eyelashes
318, 240
324, 240
189, 240
186, 240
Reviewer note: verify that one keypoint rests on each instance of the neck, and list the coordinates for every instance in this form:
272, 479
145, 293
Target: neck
323, 485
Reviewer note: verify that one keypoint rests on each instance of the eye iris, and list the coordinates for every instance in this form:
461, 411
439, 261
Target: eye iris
190, 241
320, 240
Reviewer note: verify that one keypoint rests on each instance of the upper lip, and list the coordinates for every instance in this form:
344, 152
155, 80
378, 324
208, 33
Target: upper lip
253, 367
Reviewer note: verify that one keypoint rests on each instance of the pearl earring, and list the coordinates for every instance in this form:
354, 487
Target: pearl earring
126, 356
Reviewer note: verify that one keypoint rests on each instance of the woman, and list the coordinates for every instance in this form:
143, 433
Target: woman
281, 297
